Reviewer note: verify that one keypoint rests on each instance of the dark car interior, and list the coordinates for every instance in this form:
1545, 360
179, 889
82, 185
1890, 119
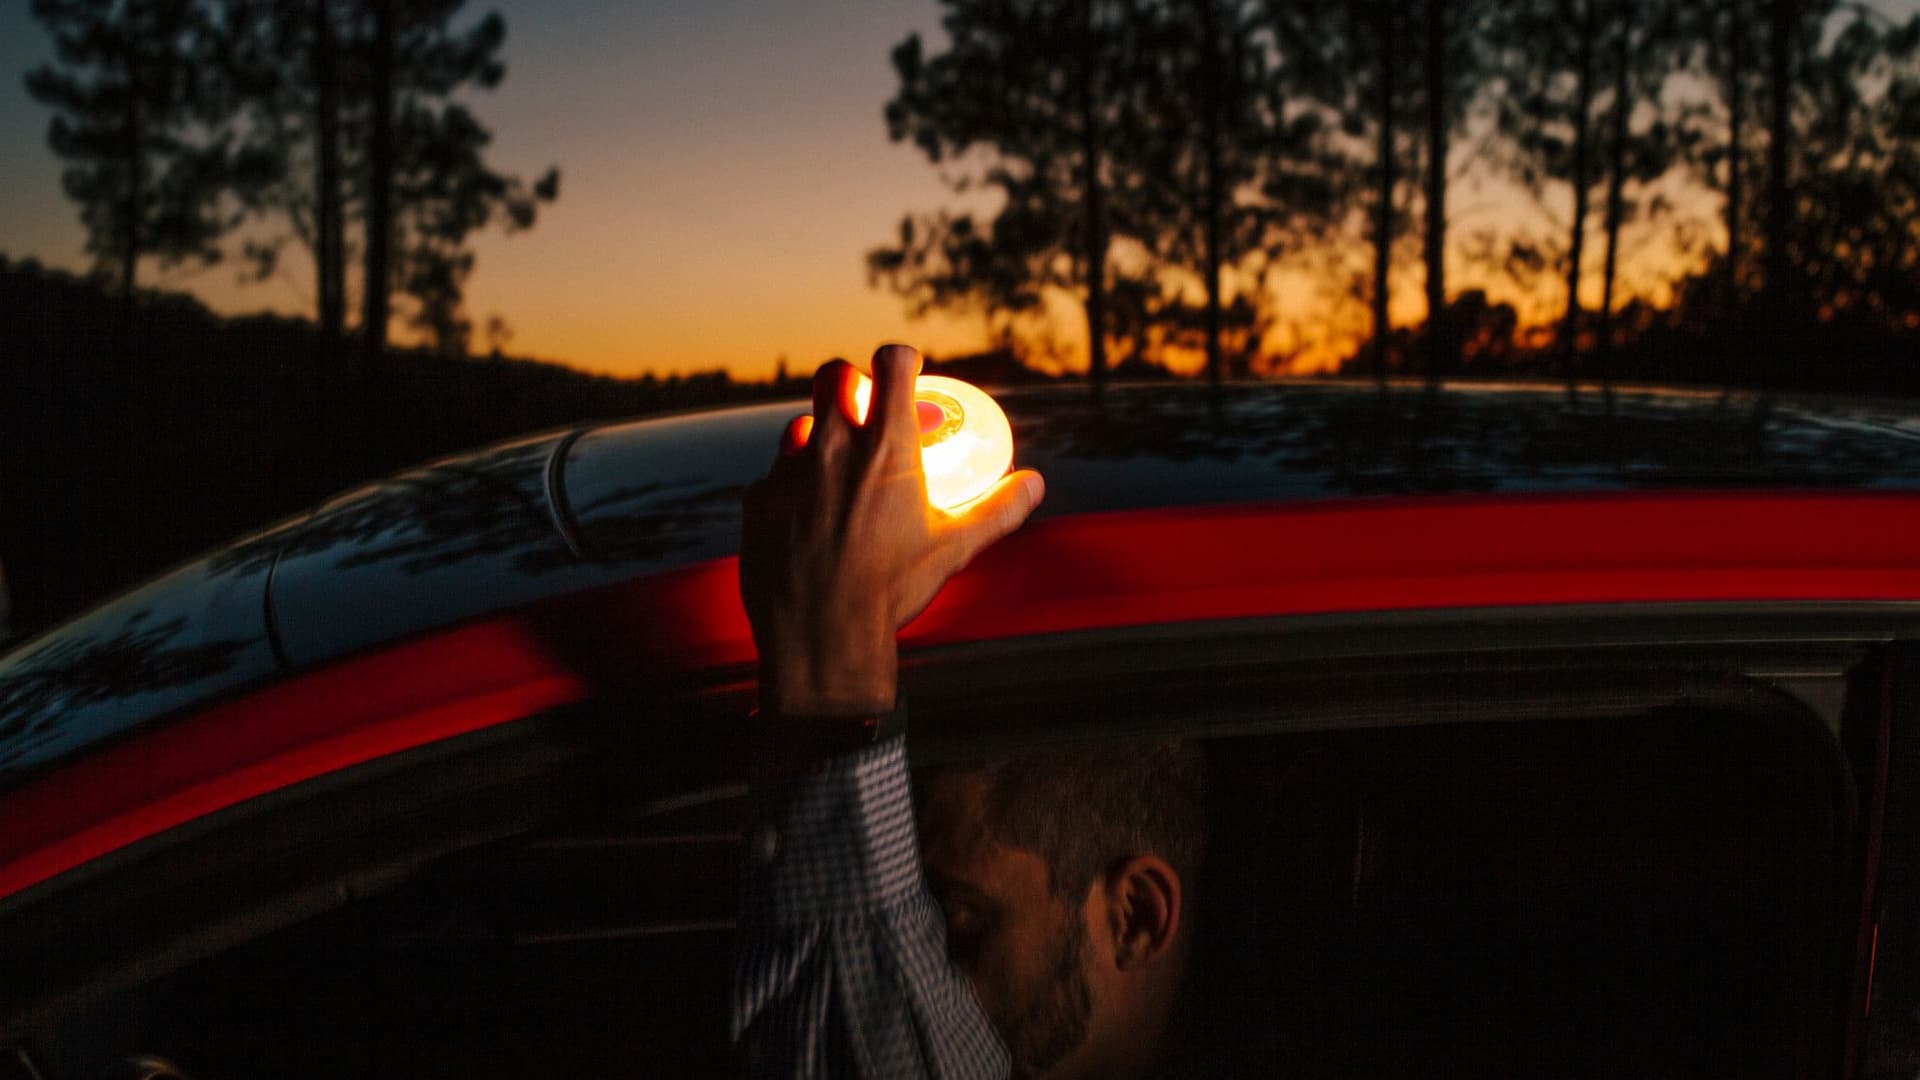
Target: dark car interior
1660, 891
1642, 897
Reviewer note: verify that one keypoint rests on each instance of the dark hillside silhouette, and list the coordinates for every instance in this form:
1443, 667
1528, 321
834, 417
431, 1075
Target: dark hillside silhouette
232, 428
340, 124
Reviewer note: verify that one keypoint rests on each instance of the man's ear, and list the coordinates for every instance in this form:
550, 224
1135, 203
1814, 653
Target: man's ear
1143, 909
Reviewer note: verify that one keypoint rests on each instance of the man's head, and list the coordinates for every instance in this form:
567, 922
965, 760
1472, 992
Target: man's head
1064, 879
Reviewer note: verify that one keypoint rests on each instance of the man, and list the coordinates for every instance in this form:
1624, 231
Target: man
1062, 908
1064, 881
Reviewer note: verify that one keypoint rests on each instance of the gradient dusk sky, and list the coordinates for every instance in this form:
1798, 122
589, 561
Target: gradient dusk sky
724, 169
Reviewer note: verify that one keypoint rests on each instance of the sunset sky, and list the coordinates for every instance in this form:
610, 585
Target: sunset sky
724, 169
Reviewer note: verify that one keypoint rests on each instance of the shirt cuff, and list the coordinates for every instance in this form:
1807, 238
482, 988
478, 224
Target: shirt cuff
835, 842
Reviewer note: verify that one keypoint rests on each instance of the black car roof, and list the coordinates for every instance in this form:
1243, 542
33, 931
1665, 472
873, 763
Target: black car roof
564, 511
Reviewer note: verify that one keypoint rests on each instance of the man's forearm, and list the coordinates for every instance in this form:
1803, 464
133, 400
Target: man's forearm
829, 665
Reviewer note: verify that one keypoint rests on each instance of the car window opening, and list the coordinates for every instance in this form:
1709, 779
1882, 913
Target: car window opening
1651, 894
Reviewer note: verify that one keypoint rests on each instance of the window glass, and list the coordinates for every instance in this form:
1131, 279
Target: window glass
1646, 895
1652, 896
601, 954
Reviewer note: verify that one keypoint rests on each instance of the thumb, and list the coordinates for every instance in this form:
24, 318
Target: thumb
994, 515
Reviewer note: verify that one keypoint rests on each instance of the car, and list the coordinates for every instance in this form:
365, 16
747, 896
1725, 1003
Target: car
1547, 737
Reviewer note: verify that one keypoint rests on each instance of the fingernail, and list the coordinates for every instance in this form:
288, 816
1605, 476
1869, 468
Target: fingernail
1036, 488
896, 354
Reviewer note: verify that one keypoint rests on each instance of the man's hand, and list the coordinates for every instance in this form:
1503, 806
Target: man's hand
840, 547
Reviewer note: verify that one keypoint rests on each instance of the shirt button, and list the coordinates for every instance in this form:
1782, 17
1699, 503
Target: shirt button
766, 843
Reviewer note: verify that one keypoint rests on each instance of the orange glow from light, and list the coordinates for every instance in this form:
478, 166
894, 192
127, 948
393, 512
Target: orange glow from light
862, 399
966, 444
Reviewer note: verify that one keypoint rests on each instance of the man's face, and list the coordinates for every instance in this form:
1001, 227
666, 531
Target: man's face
1024, 950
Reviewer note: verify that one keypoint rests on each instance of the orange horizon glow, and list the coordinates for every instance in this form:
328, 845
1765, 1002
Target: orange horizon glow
716, 216
807, 318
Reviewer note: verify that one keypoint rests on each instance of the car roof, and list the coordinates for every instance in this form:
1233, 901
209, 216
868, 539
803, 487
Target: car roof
555, 569
564, 512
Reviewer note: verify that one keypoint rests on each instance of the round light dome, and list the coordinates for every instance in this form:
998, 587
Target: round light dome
966, 444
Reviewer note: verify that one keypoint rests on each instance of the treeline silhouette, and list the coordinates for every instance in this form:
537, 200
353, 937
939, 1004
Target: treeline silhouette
341, 127
192, 131
234, 423
1160, 163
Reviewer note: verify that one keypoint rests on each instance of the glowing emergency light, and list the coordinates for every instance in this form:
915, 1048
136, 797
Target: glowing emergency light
966, 443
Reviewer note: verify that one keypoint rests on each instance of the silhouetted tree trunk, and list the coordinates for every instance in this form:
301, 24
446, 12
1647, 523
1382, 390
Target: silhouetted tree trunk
1779, 209
1576, 248
1210, 191
1096, 231
131, 128
136, 182
379, 221
1616, 183
1439, 337
1383, 212
329, 255
1736, 115
121, 441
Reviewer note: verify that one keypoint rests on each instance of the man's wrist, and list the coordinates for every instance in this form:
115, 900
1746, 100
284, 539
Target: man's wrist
786, 746
843, 674
840, 694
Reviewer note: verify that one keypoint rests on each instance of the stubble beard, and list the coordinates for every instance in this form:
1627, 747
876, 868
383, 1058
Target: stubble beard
1052, 1022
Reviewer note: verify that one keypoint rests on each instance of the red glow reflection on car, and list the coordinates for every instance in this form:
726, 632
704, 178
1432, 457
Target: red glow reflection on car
455, 682
1065, 574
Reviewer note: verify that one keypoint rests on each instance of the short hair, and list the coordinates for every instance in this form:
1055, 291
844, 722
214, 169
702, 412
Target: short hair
1085, 808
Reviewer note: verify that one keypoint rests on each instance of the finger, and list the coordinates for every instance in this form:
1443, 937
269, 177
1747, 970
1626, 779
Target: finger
753, 502
794, 438
833, 403
894, 369
994, 515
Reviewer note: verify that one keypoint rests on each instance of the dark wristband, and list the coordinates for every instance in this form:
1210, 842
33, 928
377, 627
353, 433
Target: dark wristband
784, 743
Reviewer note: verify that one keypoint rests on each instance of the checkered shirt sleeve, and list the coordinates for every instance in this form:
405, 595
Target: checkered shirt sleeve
841, 967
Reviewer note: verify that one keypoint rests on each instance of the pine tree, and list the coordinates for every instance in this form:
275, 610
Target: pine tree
145, 156
357, 102
1035, 101
139, 133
